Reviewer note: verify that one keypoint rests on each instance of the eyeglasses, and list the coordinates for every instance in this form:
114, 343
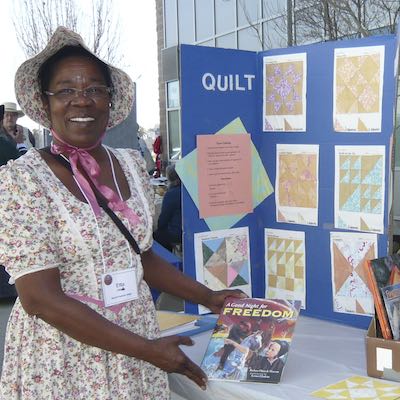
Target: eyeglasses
92, 92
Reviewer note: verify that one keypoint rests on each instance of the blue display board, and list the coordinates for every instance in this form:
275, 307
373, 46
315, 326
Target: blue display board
207, 107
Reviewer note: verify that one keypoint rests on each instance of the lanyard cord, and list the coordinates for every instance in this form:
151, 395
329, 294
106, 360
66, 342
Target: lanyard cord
114, 176
120, 196
94, 215
103, 204
95, 221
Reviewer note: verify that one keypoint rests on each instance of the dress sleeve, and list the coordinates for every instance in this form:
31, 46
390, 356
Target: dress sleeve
28, 237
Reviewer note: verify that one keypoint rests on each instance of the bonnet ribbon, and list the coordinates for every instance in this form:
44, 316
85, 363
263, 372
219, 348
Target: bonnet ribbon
91, 167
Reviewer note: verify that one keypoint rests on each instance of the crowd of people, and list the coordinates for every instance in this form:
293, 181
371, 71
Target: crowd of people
76, 238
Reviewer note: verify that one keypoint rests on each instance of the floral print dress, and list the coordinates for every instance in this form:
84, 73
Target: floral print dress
42, 225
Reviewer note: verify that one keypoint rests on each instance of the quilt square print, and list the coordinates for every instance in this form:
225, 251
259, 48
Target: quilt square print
284, 92
359, 388
285, 268
360, 188
223, 259
358, 87
349, 252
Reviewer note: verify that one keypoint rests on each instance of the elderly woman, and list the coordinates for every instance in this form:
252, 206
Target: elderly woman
84, 325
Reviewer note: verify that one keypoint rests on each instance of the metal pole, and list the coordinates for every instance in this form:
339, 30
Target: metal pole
289, 13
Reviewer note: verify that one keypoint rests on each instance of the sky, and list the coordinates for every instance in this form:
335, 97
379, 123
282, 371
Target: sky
138, 44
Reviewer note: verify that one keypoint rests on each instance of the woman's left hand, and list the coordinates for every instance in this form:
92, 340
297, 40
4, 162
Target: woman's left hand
217, 298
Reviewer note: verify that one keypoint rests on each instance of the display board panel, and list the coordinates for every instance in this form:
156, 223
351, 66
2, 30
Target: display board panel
234, 92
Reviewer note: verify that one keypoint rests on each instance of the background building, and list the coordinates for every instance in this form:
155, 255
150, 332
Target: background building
252, 25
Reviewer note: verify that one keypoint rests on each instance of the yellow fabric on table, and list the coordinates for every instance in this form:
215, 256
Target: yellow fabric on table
360, 388
169, 320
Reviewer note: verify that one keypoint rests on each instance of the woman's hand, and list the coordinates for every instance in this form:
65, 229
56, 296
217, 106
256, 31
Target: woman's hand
216, 299
166, 354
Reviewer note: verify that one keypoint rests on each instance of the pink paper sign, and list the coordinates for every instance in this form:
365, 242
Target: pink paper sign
224, 173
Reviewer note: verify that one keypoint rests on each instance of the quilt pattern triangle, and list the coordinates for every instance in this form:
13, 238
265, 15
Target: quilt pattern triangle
360, 388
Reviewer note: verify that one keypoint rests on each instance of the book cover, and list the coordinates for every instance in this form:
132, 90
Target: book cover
378, 274
251, 340
391, 298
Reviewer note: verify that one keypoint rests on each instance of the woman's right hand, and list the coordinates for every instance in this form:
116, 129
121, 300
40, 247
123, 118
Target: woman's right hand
166, 354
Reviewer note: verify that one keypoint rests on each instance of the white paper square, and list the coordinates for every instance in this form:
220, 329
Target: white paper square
383, 358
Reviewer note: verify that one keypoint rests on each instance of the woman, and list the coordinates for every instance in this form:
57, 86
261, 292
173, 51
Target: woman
169, 228
70, 335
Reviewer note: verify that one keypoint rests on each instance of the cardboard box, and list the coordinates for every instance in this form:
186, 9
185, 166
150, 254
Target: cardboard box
383, 356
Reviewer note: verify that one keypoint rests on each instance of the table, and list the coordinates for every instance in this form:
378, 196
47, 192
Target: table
321, 353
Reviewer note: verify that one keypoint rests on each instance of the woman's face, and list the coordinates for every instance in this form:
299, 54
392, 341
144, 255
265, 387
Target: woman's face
81, 120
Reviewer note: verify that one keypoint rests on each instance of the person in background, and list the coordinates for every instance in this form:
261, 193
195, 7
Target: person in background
21, 137
157, 148
84, 324
7, 150
145, 152
169, 228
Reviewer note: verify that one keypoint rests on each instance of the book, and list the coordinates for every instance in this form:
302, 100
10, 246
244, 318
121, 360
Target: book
378, 274
176, 323
251, 340
173, 322
391, 298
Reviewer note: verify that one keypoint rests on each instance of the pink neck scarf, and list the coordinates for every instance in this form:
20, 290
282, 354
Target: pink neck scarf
91, 167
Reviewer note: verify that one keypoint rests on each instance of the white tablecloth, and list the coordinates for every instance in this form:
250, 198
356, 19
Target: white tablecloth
322, 353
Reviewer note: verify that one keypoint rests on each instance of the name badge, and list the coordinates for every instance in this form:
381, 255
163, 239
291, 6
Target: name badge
119, 287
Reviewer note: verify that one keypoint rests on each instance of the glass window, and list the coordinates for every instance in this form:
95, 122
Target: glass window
248, 12
250, 39
171, 23
204, 19
174, 135
273, 8
186, 21
209, 43
274, 33
227, 41
225, 17
173, 94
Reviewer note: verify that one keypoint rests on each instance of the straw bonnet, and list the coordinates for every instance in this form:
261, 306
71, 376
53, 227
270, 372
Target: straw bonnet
12, 108
27, 85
